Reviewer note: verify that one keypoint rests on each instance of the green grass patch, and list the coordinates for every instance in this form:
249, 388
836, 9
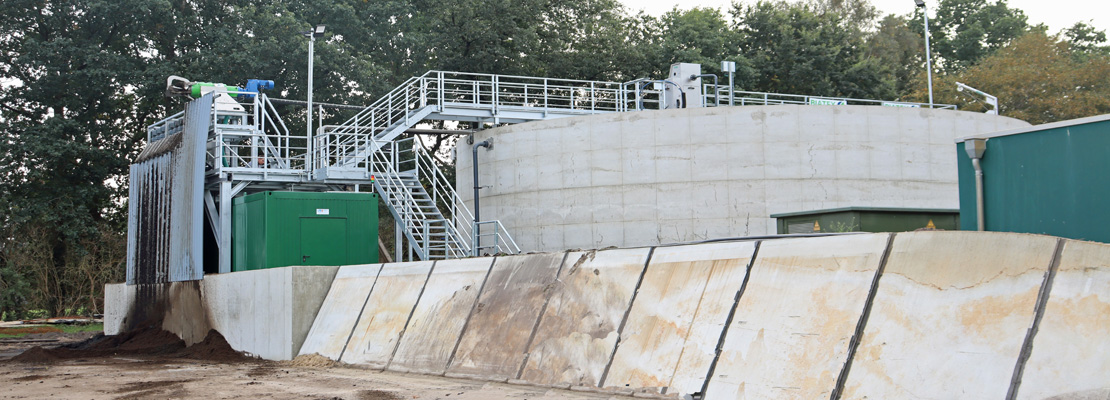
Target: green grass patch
14, 332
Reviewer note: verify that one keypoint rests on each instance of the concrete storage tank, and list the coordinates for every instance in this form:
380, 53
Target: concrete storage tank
654, 177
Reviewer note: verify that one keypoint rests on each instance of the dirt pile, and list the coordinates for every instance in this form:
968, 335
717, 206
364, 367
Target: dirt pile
311, 360
147, 340
214, 348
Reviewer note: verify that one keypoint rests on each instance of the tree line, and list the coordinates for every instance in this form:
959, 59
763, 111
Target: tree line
80, 79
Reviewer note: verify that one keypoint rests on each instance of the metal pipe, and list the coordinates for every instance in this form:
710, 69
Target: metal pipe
716, 90
477, 210
980, 219
975, 149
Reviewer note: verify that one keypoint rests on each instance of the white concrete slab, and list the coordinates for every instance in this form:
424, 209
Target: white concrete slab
440, 314
790, 334
1071, 353
118, 298
950, 316
676, 319
578, 330
336, 320
493, 345
387, 310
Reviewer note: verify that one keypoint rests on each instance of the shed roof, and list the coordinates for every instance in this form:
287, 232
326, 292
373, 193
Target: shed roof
1037, 128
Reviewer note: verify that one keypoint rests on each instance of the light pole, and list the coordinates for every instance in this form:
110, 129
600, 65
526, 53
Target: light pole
928, 52
316, 32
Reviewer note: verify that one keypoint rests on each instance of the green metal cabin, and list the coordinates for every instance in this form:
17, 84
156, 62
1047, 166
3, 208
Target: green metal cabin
866, 219
278, 229
1051, 179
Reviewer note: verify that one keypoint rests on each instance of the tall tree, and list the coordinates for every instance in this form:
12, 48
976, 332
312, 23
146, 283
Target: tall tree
795, 49
965, 31
1037, 79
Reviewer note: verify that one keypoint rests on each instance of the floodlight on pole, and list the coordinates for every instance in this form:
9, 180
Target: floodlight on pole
316, 32
928, 51
987, 98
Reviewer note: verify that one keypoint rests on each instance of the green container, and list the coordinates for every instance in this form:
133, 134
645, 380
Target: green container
867, 219
278, 229
1048, 179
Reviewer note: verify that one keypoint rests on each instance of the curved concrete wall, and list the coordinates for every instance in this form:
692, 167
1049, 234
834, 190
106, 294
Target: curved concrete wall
653, 177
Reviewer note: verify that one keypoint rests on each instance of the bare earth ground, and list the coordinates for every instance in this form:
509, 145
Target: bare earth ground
148, 365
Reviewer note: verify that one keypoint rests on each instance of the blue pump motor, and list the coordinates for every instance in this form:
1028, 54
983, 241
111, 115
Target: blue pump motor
258, 85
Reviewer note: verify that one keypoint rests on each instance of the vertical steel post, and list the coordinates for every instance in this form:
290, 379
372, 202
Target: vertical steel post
225, 226
928, 51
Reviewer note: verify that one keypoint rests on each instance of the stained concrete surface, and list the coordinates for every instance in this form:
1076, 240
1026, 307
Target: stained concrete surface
387, 310
493, 344
790, 334
950, 316
673, 326
679, 175
1071, 352
440, 315
578, 330
340, 310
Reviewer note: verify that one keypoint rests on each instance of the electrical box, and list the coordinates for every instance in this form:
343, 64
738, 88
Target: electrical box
686, 90
867, 219
278, 229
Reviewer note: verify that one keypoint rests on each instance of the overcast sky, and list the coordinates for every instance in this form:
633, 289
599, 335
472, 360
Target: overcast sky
1057, 14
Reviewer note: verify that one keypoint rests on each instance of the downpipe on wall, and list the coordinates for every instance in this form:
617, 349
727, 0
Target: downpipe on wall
975, 149
476, 229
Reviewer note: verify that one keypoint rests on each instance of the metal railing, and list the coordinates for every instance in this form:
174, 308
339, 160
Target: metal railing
433, 215
712, 95
254, 140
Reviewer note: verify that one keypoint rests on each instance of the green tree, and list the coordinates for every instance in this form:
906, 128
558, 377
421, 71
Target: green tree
899, 49
1037, 79
965, 31
796, 49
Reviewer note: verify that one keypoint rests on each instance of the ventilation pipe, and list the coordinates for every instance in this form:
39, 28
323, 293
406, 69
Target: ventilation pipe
975, 149
716, 93
488, 144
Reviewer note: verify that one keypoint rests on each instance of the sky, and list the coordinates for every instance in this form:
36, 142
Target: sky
1057, 14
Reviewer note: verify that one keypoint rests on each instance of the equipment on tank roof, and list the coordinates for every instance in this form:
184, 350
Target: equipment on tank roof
225, 96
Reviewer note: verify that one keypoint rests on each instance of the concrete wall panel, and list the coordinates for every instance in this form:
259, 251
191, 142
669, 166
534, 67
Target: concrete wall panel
578, 331
949, 316
118, 298
339, 313
493, 345
793, 324
1071, 353
674, 324
383, 320
667, 176
440, 315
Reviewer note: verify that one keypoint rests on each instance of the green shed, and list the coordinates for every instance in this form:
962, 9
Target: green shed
1050, 179
867, 219
278, 229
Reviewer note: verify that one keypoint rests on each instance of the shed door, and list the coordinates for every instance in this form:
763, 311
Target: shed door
323, 241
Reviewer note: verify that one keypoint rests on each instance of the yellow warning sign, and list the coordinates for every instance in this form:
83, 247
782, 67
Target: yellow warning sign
930, 225
816, 227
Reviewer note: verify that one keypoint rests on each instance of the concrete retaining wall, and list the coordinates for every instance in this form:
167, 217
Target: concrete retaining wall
932, 315
267, 313
680, 175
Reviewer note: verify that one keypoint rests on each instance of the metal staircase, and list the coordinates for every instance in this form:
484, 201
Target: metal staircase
436, 222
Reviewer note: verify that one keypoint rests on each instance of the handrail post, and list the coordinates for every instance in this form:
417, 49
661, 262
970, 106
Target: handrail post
442, 96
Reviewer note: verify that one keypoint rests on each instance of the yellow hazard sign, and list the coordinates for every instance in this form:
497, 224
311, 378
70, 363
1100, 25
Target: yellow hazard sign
930, 225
